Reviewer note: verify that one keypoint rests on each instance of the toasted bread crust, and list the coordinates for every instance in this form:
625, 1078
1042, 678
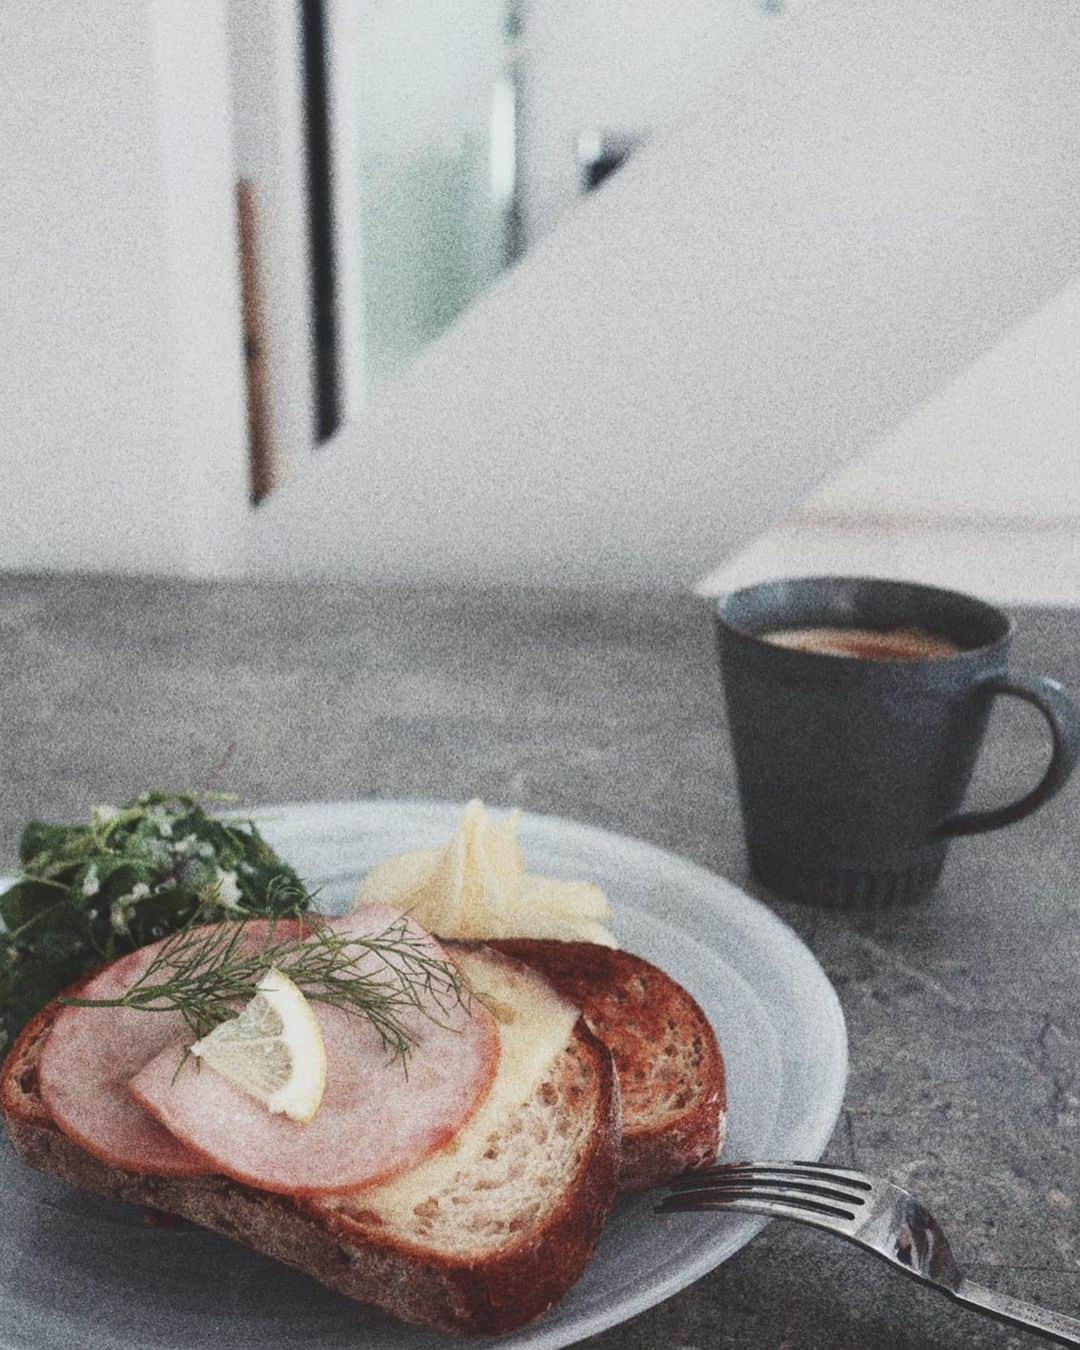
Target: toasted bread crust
500, 1292
638, 1011
20, 1099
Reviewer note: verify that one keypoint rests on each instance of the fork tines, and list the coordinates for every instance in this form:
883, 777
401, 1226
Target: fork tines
770, 1171
820, 1188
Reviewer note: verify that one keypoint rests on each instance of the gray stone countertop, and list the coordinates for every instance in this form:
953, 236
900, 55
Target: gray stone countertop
963, 1015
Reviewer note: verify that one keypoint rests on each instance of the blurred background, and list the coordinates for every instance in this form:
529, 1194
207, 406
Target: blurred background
526, 291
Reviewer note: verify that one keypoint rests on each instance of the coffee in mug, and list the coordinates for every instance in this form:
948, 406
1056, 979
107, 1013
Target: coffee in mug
866, 644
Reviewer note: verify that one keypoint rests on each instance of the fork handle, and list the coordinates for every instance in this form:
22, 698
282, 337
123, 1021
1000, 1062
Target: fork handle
1052, 1325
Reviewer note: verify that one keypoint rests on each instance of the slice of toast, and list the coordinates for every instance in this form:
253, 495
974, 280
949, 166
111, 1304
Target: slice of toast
497, 1245
671, 1073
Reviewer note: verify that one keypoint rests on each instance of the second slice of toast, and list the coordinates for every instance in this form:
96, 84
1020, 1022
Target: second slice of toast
671, 1072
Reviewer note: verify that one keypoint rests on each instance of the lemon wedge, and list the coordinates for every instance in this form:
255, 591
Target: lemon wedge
273, 1049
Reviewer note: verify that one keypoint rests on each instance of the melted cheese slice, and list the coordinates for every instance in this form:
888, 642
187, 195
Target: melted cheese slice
534, 1025
477, 887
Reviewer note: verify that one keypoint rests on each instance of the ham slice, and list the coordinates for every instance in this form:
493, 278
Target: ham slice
85, 1066
374, 1121
92, 1053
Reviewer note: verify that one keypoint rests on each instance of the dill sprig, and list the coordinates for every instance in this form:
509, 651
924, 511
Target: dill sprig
206, 972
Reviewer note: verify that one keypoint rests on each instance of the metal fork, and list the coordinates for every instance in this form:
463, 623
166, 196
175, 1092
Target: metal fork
872, 1213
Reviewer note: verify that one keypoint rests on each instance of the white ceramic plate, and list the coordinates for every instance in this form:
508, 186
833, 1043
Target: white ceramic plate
75, 1271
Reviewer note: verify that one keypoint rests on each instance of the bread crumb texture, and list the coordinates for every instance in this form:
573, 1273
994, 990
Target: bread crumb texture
515, 1184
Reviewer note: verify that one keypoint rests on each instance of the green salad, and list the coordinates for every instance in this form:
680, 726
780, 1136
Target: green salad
134, 874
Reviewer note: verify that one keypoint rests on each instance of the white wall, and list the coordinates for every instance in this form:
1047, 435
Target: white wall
866, 202
121, 377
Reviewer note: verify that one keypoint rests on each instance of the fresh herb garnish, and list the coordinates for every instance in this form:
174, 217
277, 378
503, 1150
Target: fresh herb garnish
206, 973
136, 873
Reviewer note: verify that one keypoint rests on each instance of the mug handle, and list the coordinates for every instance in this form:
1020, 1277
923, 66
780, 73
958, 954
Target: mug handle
1064, 719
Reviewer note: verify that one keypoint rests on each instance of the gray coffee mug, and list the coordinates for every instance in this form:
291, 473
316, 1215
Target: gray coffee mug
852, 772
